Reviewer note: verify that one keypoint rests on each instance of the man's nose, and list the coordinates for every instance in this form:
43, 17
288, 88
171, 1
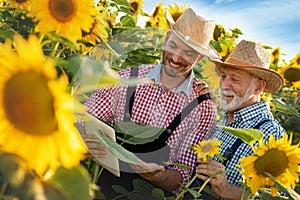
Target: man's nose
224, 84
176, 58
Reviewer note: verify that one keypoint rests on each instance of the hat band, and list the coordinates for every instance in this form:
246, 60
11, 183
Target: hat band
237, 62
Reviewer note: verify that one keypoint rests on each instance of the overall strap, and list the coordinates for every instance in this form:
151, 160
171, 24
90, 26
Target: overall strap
160, 142
230, 151
130, 95
186, 111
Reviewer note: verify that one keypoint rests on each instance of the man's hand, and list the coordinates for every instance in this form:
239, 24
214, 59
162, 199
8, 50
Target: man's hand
96, 148
148, 171
202, 88
219, 183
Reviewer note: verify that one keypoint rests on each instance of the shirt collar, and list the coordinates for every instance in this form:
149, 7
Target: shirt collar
185, 86
246, 114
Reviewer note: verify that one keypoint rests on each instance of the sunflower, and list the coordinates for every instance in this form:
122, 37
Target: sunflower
275, 55
209, 74
176, 10
96, 34
19, 4
207, 148
66, 17
36, 114
219, 32
295, 60
279, 158
291, 74
157, 19
136, 7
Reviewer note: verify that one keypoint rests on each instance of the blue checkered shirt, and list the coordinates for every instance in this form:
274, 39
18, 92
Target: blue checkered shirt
246, 118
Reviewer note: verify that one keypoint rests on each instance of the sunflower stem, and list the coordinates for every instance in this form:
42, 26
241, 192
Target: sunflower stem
187, 186
41, 37
97, 173
3, 189
52, 54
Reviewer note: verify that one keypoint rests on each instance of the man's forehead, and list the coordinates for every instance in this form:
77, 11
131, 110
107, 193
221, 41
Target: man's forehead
235, 71
174, 38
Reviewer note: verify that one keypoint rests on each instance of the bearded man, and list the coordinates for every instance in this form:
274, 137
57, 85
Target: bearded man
245, 74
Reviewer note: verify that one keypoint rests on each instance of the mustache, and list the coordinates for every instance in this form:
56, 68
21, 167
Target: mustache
227, 92
170, 59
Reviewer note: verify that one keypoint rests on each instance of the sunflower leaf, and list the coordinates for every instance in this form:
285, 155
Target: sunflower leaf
283, 107
116, 149
137, 133
248, 135
73, 183
291, 193
21, 180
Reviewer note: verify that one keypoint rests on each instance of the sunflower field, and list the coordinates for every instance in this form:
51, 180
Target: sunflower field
54, 53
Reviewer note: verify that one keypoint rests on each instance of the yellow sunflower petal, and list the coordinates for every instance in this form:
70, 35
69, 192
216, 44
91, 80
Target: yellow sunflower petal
65, 17
36, 117
207, 149
278, 157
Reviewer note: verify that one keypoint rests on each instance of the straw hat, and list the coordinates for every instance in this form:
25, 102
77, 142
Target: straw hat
194, 31
255, 59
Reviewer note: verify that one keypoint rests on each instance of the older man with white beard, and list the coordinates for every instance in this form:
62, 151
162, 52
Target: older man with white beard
245, 74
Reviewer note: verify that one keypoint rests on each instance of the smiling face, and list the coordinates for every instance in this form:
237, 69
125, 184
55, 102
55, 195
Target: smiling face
178, 58
238, 89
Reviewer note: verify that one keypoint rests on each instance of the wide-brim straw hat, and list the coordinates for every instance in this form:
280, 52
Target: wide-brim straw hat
194, 31
252, 57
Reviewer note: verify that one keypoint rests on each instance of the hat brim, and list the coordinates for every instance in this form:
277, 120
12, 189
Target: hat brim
273, 79
208, 51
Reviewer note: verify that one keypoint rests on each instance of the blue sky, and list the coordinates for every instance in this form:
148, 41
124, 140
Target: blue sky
271, 22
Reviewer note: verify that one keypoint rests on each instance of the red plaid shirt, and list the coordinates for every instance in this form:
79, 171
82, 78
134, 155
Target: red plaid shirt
156, 107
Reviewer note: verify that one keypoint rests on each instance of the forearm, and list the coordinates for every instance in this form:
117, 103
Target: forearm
233, 193
169, 180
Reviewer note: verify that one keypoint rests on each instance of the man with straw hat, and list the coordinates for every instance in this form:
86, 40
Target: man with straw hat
169, 101
244, 75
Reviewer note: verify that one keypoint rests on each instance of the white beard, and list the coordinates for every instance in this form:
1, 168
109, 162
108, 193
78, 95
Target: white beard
237, 101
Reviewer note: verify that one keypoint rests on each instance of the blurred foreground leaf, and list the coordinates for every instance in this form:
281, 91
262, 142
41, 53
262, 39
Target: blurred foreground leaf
73, 183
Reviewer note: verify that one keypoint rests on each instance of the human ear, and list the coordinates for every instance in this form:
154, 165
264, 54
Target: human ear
260, 86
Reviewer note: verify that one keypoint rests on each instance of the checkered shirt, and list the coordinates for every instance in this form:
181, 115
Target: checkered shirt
246, 118
155, 107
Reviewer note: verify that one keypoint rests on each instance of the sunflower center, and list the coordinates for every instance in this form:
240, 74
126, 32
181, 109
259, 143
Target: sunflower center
292, 74
206, 148
135, 7
274, 161
28, 104
155, 12
62, 10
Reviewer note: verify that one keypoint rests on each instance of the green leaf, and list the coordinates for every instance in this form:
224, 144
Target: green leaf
283, 107
73, 182
121, 2
116, 149
248, 135
23, 183
90, 75
52, 192
158, 194
136, 133
195, 193
291, 193
127, 21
